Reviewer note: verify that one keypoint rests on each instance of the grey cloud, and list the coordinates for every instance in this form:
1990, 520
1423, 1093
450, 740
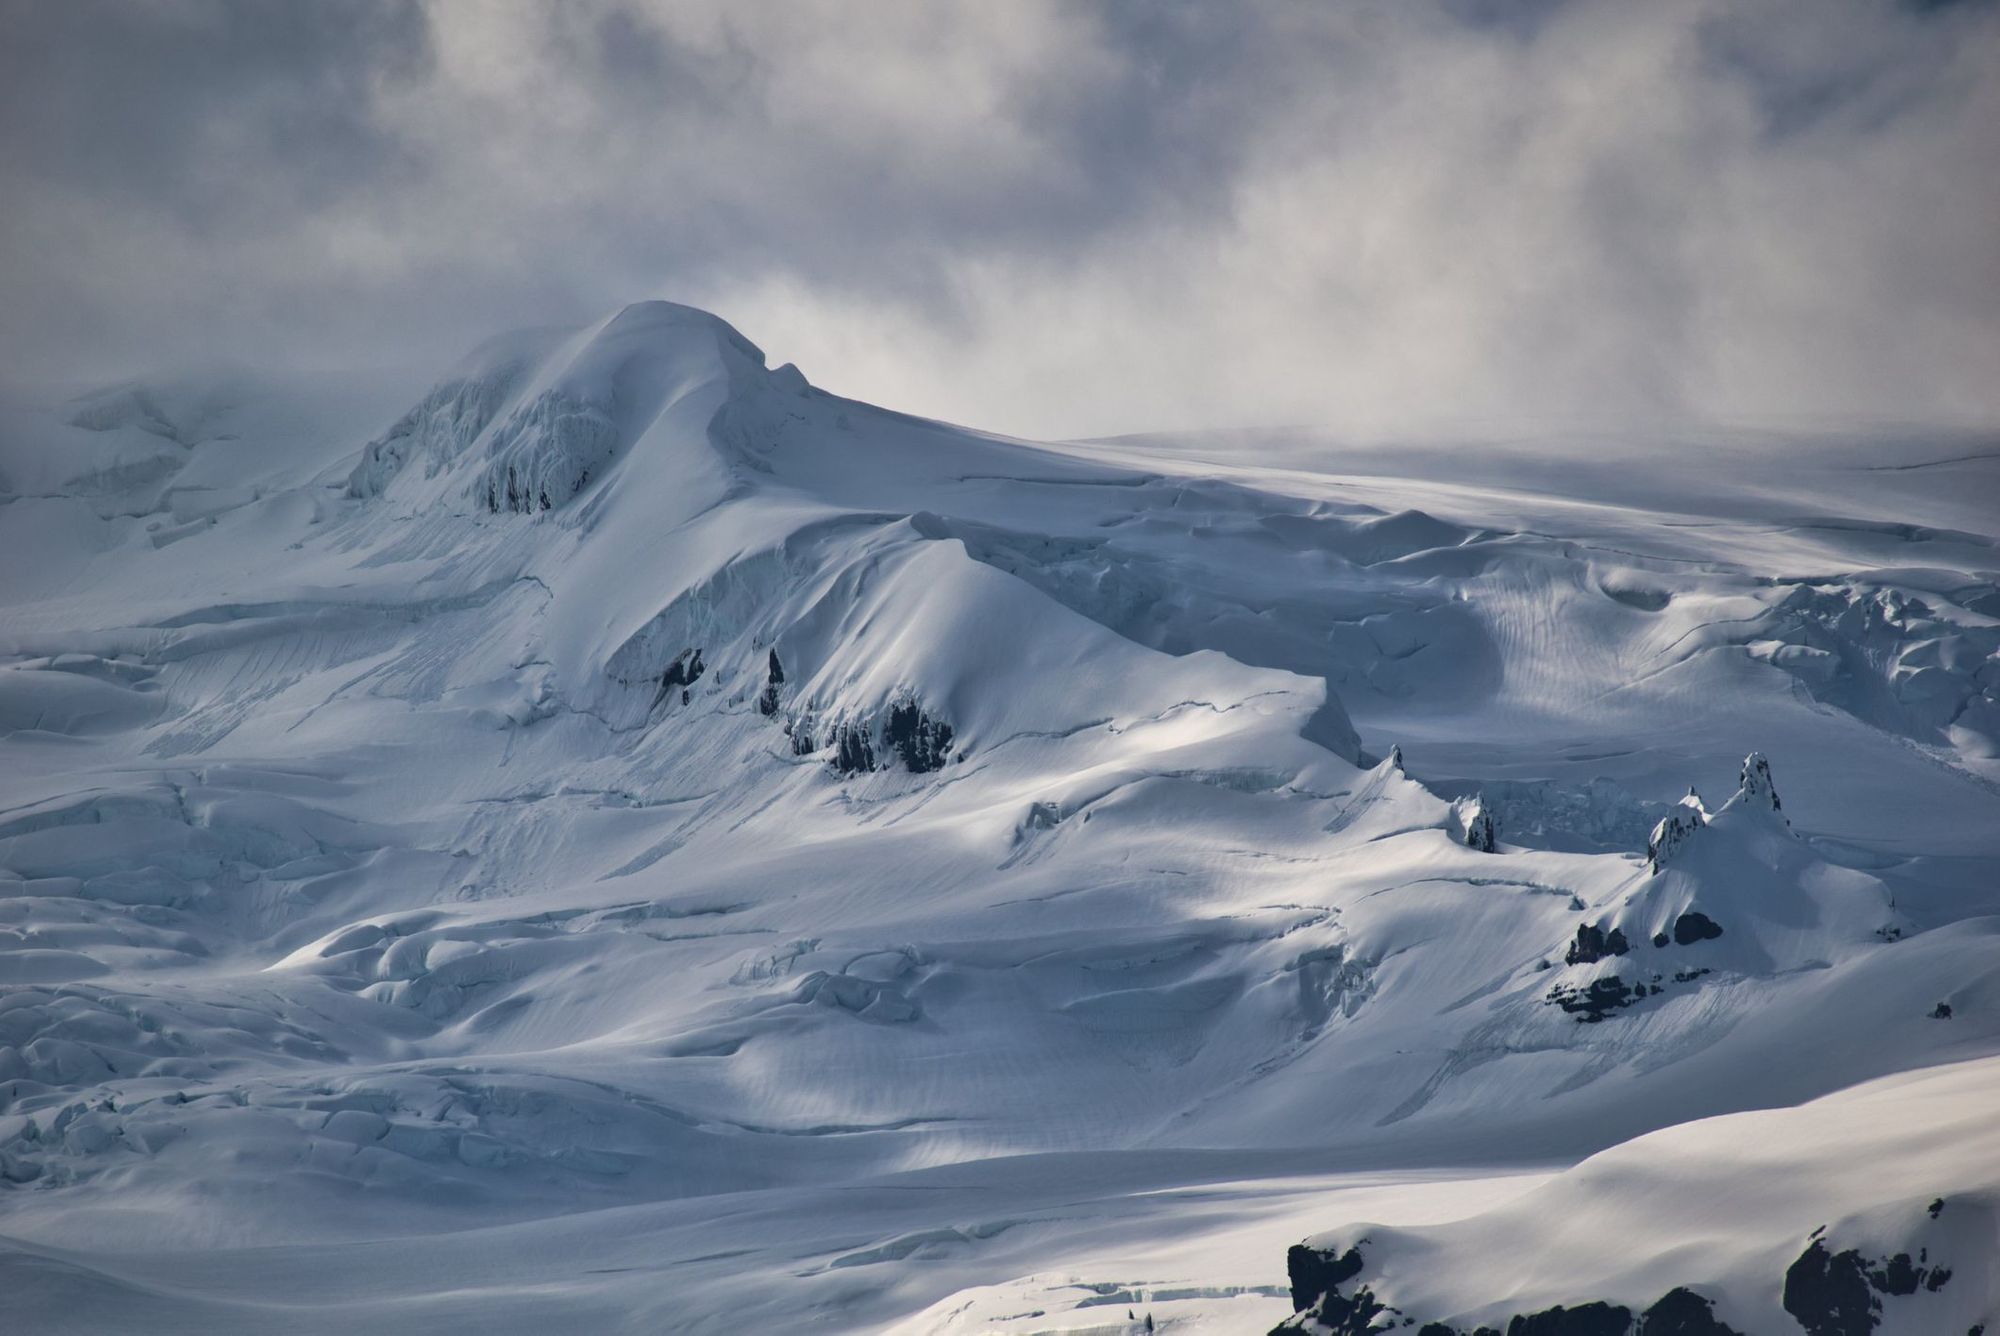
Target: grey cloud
1047, 218
191, 109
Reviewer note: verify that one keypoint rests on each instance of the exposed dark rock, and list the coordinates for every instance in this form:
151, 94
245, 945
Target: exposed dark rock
1313, 1273
1682, 1312
853, 752
1675, 829
1593, 1003
1318, 1305
1343, 1316
1828, 1294
923, 743
1941, 1012
906, 733
1661, 939
1695, 926
774, 677
1593, 944
1936, 1208
1316, 1298
1837, 1294
1899, 1275
1592, 1319
682, 673
1755, 787
1479, 831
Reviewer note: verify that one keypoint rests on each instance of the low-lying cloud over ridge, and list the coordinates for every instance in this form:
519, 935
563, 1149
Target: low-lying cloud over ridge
1047, 219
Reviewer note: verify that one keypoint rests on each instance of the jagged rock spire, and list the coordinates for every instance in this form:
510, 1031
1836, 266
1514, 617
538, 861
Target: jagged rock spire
1755, 788
1755, 792
1480, 831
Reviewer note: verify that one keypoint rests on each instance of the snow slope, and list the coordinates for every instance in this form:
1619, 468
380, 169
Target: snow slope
1880, 1202
639, 842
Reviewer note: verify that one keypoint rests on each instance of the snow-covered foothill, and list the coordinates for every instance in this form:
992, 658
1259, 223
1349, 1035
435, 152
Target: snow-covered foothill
1876, 1209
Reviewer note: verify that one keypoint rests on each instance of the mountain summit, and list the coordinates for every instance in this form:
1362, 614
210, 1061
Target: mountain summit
530, 420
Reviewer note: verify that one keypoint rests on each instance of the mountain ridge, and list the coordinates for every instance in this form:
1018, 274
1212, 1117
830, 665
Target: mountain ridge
809, 796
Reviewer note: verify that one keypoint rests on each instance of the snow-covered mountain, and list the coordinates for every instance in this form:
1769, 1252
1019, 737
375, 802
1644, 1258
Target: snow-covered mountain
630, 841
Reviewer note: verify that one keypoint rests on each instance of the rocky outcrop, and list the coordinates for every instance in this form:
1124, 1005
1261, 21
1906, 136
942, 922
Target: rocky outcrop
1593, 944
680, 675
1591, 1319
1826, 1292
853, 750
921, 742
1755, 792
1319, 1306
1675, 829
1315, 1273
1682, 1312
1480, 831
1754, 787
1597, 999
1840, 1294
905, 732
774, 677
1316, 1278
1695, 926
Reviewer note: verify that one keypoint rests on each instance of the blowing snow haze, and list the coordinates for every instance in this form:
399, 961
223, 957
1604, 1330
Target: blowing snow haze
1056, 221
521, 812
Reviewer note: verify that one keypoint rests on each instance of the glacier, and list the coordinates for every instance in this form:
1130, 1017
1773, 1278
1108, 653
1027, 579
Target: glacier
624, 839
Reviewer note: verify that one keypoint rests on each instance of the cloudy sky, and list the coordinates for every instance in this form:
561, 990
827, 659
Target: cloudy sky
1057, 219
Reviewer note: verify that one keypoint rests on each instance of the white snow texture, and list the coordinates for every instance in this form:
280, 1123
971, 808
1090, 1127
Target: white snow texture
642, 844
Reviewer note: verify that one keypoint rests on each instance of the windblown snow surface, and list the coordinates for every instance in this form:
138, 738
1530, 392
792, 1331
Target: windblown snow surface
626, 841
